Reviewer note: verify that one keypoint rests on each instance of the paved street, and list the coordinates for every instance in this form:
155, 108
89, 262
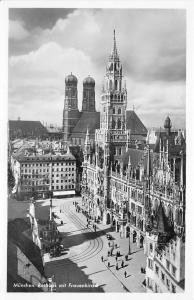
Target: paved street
81, 263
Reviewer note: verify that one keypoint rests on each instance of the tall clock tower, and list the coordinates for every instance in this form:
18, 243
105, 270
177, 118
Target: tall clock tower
112, 138
114, 105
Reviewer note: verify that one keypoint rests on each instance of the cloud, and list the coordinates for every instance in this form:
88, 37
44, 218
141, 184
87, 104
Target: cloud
17, 30
37, 79
151, 44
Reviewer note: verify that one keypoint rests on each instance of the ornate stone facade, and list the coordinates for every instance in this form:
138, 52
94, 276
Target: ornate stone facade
140, 192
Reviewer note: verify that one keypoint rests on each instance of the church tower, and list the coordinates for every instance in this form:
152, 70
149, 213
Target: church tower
88, 103
70, 111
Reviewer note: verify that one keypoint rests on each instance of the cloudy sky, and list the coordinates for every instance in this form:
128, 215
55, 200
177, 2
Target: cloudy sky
45, 45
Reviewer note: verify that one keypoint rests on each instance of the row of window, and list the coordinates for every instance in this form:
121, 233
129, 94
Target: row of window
58, 170
71, 186
62, 175
47, 164
57, 181
47, 170
38, 188
165, 279
156, 288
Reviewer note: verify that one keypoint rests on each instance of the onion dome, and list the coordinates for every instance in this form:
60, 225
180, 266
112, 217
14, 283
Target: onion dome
71, 79
167, 123
89, 81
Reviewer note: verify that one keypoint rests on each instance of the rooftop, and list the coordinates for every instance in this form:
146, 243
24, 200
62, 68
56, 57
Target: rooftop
48, 157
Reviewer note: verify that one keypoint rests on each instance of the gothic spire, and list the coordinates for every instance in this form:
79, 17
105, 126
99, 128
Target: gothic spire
114, 53
87, 140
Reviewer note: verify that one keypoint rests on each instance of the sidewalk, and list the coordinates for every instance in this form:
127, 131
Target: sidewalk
136, 260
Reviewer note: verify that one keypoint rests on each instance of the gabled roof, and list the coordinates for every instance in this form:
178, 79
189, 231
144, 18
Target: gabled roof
26, 128
90, 120
134, 123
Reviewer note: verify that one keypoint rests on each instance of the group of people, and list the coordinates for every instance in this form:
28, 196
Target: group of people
117, 266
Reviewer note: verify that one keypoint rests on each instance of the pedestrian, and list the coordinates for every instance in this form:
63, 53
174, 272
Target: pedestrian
116, 258
115, 246
108, 264
122, 264
125, 274
120, 234
108, 253
117, 266
60, 210
102, 259
126, 257
109, 244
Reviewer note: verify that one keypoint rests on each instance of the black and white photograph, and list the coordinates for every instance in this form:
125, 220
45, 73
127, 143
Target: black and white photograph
96, 150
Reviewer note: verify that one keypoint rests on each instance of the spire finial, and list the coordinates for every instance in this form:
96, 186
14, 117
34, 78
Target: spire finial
114, 52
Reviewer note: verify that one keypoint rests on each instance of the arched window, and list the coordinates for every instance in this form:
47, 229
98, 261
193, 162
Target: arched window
119, 111
119, 124
113, 124
120, 151
115, 84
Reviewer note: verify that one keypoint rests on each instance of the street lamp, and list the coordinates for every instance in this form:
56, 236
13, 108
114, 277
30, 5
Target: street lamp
129, 249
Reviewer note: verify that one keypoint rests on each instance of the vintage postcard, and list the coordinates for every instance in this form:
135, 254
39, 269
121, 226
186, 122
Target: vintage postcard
96, 149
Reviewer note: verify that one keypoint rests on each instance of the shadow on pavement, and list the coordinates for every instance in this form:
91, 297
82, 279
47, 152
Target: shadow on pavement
71, 278
76, 239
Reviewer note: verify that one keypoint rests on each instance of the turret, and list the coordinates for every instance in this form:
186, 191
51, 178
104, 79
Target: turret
87, 146
167, 125
88, 103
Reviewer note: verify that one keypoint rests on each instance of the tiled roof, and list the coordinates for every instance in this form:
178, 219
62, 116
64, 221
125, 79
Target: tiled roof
54, 130
16, 229
35, 158
26, 128
134, 123
135, 157
90, 120
138, 156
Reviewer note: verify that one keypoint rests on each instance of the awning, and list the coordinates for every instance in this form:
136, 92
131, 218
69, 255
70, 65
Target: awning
64, 193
